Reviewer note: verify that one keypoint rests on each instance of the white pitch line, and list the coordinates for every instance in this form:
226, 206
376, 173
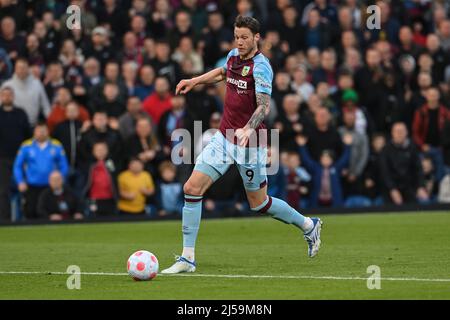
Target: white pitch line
229, 276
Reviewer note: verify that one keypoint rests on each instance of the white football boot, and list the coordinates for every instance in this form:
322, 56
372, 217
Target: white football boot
313, 237
181, 265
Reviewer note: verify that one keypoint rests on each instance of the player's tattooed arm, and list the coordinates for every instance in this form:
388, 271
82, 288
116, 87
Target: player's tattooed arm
263, 103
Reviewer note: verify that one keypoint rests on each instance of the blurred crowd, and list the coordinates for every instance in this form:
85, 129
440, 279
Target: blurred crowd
86, 114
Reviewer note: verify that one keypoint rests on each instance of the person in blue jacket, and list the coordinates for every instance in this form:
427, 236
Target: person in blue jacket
326, 174
36, 159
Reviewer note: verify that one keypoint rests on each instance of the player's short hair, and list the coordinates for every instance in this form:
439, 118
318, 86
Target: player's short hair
247, 22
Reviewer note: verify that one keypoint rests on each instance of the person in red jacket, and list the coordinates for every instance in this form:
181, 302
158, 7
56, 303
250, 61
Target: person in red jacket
427, 128
159, 101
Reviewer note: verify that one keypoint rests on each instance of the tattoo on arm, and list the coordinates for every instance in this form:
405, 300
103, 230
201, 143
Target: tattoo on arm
262, 101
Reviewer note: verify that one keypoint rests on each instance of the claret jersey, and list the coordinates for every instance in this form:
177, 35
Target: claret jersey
244, 79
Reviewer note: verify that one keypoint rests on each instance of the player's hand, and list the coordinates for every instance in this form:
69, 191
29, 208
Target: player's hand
243, 135
184, 86
23, 187
396, 197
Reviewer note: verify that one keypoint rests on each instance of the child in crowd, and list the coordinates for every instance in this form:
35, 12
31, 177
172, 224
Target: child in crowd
100, 188
170, 190
135, 185
326, 174
297, 179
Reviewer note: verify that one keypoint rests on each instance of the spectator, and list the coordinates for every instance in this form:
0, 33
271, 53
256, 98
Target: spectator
72, 59
112, 16
54, 79
163, 63
401, 169
159, 101
29, 93
58, 113
144, 145
353, 184
322, 135
35, 161
291, 29
281, 88
185, 51
216, 40
326, 173
98, 47
100, 131
32, 51
145, 85
127, 121
131, 52
182, 28
428, 126
111, 103
91, 73
68, 132
300, 83
58, 202
135, 185
100, 189
178, 117
327, 71
373, 181
14, 128
170, 190
6, 67
13, 43
111, 75
129, 75
290, 123
316, 32
297, 182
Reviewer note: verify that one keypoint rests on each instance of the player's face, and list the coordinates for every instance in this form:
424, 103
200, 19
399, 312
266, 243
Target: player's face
245, 40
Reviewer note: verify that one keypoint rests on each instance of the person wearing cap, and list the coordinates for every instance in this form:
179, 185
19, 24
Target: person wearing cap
99, 46
350, 100
359, 153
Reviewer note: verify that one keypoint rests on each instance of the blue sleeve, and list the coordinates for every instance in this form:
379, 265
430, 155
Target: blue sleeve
18, 166
230, 54
307, 161
263, 75
344, 159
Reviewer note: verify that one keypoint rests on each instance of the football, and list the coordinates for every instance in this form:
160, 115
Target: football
142, 265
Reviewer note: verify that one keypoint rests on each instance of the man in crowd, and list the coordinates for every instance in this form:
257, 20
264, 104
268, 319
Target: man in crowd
35, 161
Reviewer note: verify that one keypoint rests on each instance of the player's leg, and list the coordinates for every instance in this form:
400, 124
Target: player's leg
208, 168
278, 209
253, 174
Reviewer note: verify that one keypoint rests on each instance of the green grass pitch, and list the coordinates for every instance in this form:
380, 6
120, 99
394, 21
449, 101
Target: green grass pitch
411, 249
